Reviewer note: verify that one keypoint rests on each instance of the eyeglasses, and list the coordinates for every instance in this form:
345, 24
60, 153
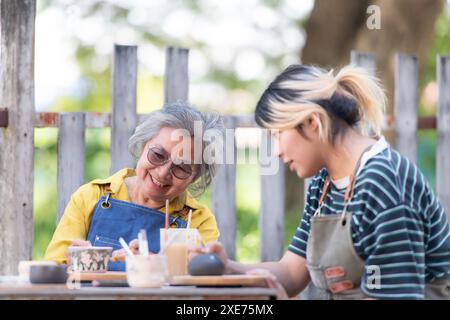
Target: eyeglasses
157, 157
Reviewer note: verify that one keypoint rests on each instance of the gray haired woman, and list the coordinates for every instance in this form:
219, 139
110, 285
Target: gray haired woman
169, 148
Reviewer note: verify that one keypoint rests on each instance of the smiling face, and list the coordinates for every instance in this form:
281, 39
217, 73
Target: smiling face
300, 151
157, 182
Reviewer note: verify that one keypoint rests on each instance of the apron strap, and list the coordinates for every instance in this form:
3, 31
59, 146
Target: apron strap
107, 192
183, 212
351, 186
349, 191
326, 185
106, 204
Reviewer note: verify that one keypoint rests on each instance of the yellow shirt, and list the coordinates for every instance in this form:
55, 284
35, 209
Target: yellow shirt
77, 216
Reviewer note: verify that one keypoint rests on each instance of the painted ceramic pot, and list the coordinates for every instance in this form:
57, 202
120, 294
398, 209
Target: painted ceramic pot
89, 259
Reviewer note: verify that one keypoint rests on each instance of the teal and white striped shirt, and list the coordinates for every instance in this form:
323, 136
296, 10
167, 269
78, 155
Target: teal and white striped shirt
398, 225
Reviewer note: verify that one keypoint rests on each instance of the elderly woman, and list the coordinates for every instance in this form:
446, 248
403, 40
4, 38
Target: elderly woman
103, 210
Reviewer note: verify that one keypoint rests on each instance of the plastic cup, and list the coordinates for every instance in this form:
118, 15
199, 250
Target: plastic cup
146, 271
177, 252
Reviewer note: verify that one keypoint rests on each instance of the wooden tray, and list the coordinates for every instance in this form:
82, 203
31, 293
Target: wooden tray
220, 281
110, 275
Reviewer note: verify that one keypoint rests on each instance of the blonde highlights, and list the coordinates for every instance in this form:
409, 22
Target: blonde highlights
351, 98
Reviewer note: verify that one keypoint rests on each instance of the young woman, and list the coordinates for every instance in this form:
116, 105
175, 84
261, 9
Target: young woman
372, 226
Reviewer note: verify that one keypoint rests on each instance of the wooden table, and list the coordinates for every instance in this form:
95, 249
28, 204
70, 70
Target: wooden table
41, 292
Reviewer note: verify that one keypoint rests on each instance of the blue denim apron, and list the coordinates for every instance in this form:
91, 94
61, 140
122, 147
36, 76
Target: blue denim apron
113, 219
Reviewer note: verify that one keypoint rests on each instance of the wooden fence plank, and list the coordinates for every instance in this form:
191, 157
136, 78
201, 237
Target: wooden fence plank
443, 129
124, 117
176, 80
17, 30
364, 59
103, 120
271, 219
243, 120
224, 193
405, 110
71, 157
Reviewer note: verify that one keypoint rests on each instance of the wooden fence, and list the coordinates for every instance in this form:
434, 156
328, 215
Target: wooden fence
18, 120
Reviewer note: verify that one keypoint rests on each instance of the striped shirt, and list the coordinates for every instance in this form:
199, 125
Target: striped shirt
397, 224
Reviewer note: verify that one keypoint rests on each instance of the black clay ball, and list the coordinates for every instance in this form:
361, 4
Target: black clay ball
206, 265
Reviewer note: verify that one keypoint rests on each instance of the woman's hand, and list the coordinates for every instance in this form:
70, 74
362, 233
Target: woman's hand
121, 254
77, 243
237, 268
81, 243
213, 247
272, 282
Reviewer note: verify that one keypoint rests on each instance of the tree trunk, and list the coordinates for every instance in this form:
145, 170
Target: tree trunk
331, 31
406, 26
334, 28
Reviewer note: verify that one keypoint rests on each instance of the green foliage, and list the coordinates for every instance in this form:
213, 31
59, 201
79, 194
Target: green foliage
44, 189
426, 155
45, 186
440, 46
426, 140
97, 166
94, 95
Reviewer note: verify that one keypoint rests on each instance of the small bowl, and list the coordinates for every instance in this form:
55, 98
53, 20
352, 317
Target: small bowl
48, 273
90, 259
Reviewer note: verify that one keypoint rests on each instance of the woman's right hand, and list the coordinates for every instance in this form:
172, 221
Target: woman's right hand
213, 248
121, 254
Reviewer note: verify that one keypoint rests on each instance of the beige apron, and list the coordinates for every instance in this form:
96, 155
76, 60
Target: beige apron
335, 267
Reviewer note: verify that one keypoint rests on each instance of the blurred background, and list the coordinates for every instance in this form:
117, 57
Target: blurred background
236, 48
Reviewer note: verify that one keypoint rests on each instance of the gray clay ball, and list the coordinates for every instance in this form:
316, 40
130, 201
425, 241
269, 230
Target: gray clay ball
206, 265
